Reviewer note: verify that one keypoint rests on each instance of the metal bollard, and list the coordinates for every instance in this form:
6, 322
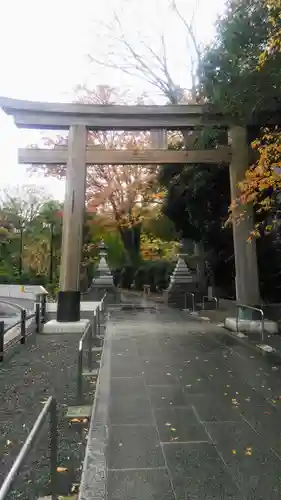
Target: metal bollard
98, 320
23, 326
90, 348
37, 317
2, 340
43, 309
80, 375
53, 449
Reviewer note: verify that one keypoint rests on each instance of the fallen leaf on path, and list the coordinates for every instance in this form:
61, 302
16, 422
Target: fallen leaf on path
75, 488
248, 452
267, 413
234, 452
173, 429
62, 469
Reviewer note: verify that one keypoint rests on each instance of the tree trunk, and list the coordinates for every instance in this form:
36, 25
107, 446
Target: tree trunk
131, 241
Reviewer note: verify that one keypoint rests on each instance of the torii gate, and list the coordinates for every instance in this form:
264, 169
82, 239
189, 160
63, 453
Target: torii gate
78, 119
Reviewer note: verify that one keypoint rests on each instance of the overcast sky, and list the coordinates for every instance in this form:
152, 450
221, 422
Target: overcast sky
44, 49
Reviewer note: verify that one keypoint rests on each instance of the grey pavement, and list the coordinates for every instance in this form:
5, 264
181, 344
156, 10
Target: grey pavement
192, 413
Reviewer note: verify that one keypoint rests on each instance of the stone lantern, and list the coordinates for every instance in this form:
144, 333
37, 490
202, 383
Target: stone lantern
103, 279
182, 281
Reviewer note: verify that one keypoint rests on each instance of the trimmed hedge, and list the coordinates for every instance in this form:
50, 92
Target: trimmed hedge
156, 274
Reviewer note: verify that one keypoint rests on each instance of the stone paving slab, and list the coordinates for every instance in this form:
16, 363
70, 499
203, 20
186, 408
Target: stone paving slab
198, 472
190, 413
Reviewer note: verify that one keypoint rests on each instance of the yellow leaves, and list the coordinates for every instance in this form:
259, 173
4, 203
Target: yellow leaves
273, 45
262, 180
154, 248
248, 451
79, 421
62, 469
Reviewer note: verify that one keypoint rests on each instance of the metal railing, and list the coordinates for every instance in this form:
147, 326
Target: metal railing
92, 331
24, 317
50, 408
209, 299
259, 310
192, 295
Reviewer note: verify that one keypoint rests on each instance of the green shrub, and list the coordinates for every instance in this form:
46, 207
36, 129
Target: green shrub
127, 276
156, 274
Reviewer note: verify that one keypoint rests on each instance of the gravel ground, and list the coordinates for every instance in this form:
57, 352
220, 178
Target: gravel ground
45, 366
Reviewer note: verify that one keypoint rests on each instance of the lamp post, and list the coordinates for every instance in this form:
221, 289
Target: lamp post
19, 230
50, 225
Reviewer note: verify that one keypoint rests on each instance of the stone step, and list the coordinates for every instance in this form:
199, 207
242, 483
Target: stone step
79, 412
92, 373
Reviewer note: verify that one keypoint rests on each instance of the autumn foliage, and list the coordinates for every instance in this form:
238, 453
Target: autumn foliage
262, 182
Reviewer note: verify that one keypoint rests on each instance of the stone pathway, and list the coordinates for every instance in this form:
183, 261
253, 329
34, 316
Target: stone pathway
192, 414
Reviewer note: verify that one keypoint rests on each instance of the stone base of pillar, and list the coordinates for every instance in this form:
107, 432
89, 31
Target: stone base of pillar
53, 326
68, 306
248, 326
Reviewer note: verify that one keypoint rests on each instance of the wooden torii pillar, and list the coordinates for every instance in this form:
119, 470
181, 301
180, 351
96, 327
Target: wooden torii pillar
73, 222
245, 252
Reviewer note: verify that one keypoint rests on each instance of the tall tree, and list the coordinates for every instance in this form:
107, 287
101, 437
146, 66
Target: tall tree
262, 183
231, 78
21, 205
149, 57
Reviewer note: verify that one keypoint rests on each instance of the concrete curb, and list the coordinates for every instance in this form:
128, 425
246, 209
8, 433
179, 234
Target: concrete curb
244, 341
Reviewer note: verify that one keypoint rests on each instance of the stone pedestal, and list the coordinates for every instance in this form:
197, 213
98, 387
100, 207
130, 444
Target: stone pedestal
182, 282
